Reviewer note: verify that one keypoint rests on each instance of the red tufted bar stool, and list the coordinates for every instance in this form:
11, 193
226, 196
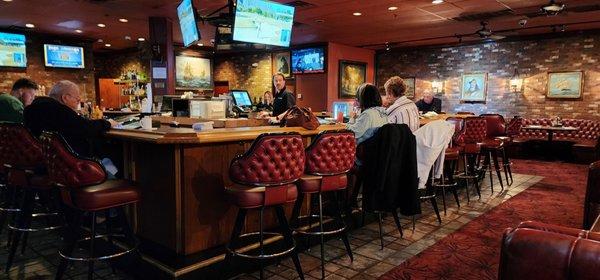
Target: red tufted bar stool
21, 155
451, 158
494, 144
85, 189
329, 158
265, 176
472, 139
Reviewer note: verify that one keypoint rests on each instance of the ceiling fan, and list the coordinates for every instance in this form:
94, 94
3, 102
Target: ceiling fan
485, 33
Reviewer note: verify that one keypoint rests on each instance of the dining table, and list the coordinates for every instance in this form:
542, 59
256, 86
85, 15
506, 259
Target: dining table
550, 130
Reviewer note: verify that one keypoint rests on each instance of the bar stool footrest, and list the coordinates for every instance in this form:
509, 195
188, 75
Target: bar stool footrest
99, 258
312, 229
267, 239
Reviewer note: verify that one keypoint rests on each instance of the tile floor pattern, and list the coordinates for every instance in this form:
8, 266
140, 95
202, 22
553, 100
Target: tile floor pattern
41, 257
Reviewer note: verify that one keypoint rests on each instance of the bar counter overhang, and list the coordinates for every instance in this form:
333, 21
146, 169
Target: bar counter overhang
183, 213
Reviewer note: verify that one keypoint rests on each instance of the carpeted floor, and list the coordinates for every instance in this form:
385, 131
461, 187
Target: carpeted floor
473, 251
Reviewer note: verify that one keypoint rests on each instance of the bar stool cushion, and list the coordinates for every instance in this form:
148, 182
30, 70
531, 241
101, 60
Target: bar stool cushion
111, 193
492, 144
254, 197
315, 184
472, 148
452, 153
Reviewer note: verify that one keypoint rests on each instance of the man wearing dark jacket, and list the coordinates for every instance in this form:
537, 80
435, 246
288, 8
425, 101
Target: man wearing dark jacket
58, 113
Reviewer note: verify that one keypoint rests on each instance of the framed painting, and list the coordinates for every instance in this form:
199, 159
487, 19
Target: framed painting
280, 63
565, 85
193, 73
410, 87
351, 75
473, 87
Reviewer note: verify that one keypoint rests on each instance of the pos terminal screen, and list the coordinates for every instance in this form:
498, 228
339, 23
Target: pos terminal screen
241, 98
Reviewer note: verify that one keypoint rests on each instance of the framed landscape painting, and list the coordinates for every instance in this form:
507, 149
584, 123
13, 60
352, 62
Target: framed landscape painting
410, 87
565, 85
473, 87
192, 73
352, 74
281, 64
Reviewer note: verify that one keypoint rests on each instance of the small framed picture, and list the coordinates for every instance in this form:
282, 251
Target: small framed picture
410, 87
474, 87
280, 63
352, 75
565, 85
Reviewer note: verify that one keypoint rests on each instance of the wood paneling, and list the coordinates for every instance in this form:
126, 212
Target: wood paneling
109, 94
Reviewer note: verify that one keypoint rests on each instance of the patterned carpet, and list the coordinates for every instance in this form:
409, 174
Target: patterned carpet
473, 251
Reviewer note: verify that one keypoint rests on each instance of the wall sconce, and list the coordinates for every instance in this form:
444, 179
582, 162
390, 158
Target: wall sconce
437, 87
516, 82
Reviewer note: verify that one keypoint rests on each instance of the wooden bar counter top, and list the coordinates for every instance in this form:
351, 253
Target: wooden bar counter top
183, 213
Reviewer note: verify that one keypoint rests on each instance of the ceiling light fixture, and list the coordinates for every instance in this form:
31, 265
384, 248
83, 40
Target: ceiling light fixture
101, 25
107, 45
357, 14
141, 39
319, 20
78, 31
393, 8
29, 25
553, 8
437, 2
100, 40
200, 45
128, 38
7, 0
123, 20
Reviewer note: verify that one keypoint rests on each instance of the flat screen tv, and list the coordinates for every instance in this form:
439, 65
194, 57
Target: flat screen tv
63, 56
12, 50
187, 21
263, 22
308, 60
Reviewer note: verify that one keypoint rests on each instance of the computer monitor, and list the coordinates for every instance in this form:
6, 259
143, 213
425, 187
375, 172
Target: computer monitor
241, 98
342, 106
181, 107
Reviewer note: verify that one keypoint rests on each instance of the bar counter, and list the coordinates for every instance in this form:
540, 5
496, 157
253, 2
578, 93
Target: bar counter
182, 175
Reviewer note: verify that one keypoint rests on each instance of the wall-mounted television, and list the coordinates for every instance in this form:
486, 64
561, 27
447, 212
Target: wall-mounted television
308, 60
187, 21
12, 50
263, 22
63, 56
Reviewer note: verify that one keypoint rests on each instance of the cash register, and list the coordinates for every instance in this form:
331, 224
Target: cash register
243, 103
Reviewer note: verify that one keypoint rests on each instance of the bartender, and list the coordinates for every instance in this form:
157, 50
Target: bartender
284, 100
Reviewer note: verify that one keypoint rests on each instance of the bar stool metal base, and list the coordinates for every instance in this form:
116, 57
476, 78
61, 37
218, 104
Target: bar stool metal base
265, 235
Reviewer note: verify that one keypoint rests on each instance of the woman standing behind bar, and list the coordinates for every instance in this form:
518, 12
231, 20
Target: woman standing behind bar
372, 115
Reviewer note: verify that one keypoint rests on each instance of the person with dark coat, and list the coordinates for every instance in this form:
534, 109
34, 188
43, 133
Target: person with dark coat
284, 99
58, 113
391, 168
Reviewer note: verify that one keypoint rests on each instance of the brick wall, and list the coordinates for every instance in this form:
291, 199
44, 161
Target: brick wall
47, 77
532, 58
240, 73
113, 64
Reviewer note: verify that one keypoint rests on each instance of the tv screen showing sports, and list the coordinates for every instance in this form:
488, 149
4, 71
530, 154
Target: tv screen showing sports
63, 56
310, 60
263, 22
241, 98
187, 22
12, 50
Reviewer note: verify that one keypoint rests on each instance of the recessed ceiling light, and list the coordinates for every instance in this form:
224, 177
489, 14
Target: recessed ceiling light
29, 25
123, 20
7, 0
128, 38
437, 1
78, 30
100, 40
393, 8
319, 20
107, 45
101, 25
141, 39
200, 44
357, 14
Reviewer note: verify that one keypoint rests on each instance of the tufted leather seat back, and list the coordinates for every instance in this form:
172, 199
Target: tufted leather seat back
331, 152
475, 129
273, 159
19, 148
513, 127
591, 206
496, 126
65, 167
465, 113
588, 130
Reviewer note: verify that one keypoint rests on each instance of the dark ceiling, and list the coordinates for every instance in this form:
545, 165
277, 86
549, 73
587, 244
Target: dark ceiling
414, 22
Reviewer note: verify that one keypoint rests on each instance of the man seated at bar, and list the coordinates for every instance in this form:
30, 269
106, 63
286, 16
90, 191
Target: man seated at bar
401, 109
21, 95
58, 113
429, 103
284, 100
372, 115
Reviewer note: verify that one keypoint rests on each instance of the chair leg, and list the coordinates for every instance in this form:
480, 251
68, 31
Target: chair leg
435, 208
311, 209
296, 210
506, 164
453, 166
288, 237
261, 240
235, 234
344, 233
109, 232
322, 236
380, 229
466, 179
92, 241
497, 167
70, 236
488, 166
397, 221
21, 220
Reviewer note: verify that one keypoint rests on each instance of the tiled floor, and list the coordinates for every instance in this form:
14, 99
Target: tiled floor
40, 259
